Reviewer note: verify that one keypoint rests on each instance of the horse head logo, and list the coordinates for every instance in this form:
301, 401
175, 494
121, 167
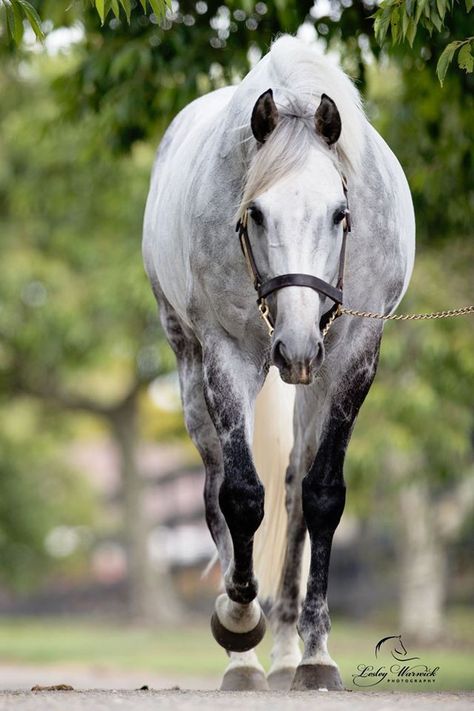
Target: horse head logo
398, 649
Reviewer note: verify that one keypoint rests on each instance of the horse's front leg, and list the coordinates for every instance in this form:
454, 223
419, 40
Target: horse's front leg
231, 384
323, 498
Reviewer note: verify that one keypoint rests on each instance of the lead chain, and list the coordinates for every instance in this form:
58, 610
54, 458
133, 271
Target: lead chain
450, 313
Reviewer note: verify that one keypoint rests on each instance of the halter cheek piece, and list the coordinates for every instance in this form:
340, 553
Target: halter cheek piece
264, 289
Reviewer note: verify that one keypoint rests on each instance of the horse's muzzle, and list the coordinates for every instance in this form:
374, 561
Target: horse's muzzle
297, 369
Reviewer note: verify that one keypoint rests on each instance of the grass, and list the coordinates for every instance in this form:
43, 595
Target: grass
191, 651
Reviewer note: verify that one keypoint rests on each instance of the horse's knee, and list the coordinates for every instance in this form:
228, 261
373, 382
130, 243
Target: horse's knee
241, 501
241, 504
322, 506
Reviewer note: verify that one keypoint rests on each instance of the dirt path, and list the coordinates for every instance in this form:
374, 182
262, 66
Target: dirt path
178, 700
174, 693
22, 677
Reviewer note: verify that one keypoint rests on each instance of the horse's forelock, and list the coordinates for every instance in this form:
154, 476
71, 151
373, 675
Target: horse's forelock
284, 152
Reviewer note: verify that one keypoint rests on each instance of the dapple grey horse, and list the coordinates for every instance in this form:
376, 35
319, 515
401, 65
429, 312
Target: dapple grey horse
286, 154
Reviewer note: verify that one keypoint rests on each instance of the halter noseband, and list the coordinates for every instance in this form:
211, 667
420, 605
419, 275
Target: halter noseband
264, 289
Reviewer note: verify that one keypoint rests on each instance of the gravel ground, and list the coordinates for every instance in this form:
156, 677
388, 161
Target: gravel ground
22, 677
180, 700
98, 689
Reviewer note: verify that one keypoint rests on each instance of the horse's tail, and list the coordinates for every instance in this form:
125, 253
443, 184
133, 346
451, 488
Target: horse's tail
272, 443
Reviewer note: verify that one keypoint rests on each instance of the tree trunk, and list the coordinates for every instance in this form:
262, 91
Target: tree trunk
422, 564
150, 596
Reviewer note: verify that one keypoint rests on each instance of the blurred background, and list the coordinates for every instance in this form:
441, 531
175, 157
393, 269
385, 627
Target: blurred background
102, 534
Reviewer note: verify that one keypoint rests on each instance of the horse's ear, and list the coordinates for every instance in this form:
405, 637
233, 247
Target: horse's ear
327, 120
264, 116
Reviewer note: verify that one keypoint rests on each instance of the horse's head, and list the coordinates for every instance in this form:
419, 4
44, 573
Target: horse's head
297, 205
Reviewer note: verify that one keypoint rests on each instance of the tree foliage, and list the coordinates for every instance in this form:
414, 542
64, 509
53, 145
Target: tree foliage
40, 497
71, 270
430, 131
403, 19
417, 422
78, 325
16, 12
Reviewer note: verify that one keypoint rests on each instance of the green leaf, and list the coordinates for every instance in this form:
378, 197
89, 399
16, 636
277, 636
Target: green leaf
445, 60
33, 18
436, 21
411, 31
465, 58
469, 4
381, 24
10, 20
115, 7
395, 24
127, 6
143, 3
100, 7
158, 7
405, 22
419, 9
18, 18
441, 5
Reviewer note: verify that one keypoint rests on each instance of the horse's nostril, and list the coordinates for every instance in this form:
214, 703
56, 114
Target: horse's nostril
280, 356
318, 356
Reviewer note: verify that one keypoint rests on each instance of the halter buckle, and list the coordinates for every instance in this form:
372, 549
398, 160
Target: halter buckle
265, 314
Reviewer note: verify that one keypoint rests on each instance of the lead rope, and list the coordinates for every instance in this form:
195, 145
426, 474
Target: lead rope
450, 313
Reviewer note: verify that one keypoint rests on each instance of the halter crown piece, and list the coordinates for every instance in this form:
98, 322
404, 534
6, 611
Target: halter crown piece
263, 289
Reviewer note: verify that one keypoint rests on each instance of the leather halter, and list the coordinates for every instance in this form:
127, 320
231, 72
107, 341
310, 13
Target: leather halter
264, 289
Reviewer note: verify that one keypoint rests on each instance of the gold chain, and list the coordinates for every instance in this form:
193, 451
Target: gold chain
332, 318
450, 313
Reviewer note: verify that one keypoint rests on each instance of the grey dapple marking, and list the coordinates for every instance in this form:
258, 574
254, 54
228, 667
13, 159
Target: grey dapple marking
288, 172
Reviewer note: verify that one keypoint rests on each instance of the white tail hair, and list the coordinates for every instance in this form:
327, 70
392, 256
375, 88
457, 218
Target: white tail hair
272, 443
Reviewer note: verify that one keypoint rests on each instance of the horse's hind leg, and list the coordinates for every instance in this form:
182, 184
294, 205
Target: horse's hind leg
244, 671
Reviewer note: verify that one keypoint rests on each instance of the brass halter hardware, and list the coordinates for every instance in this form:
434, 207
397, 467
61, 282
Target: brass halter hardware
265, 314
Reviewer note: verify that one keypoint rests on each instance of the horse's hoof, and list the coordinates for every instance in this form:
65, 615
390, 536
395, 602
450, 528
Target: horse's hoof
237, 641
244, 679
311, 677
281, 679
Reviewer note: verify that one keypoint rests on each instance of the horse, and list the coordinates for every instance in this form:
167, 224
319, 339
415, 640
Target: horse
322, 208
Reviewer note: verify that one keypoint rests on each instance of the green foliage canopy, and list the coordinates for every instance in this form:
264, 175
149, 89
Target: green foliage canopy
418, 419
78, 324
38, 495
401, 18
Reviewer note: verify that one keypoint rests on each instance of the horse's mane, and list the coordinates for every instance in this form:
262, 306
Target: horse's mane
299, 75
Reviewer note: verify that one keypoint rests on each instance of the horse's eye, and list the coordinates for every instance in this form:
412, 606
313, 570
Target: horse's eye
339, 215
256, 215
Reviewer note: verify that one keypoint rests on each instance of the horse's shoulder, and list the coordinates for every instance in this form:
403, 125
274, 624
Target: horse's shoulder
192, 118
